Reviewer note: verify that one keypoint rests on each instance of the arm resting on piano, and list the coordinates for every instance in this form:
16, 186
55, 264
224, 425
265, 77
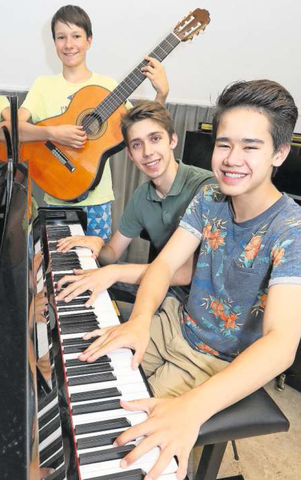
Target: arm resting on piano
97, 280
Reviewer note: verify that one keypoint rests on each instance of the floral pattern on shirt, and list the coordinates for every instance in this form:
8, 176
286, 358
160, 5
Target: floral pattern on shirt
237, 263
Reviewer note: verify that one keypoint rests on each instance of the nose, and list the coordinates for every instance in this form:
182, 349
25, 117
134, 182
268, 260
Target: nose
148, 149
69, 42
233, 157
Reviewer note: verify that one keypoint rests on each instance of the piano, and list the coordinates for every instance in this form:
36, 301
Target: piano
59, 416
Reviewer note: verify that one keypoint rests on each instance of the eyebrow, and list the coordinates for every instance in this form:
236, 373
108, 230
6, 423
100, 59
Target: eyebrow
149, 135
244, 140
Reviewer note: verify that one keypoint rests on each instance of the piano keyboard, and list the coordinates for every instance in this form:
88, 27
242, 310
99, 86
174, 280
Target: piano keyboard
95, 389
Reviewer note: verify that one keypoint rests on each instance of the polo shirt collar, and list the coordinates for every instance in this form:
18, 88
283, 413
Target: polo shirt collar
176, 187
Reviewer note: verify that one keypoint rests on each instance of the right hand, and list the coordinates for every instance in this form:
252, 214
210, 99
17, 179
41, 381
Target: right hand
92, 242
133, 334
71, 135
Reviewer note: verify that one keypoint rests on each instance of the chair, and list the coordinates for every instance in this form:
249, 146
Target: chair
253, 416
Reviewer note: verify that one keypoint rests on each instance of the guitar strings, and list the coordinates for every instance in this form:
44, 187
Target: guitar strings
124, 89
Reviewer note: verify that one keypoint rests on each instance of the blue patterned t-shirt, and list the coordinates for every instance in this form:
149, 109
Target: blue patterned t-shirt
236, 265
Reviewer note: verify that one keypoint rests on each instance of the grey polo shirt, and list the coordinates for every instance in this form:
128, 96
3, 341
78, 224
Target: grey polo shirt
160, 217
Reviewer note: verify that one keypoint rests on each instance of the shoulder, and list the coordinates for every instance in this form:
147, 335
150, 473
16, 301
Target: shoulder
44, 81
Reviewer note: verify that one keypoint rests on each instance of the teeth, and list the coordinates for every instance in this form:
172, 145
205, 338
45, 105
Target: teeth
151, 164
234, 175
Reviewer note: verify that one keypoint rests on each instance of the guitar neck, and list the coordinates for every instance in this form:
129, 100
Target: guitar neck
122, 92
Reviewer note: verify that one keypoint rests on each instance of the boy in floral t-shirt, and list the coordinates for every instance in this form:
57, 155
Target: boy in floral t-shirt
241, 325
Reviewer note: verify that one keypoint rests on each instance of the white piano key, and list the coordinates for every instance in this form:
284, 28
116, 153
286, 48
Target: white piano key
145, 462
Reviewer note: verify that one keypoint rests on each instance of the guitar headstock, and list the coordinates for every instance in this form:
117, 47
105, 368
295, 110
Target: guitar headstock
192, 24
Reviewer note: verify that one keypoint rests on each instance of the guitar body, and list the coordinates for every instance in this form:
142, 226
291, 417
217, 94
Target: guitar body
67, 173
3, 154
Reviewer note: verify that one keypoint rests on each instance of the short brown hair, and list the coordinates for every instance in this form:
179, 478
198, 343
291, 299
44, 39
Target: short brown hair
265, 96
74, 15
144, 110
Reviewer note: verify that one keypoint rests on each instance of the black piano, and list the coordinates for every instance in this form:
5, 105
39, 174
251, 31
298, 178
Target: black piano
59, 416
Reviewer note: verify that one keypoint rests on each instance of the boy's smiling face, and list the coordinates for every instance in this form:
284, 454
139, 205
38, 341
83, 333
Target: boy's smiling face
243, 156
71, 44
150, 148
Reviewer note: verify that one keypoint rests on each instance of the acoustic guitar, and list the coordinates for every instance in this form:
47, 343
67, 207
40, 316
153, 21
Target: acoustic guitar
68, 174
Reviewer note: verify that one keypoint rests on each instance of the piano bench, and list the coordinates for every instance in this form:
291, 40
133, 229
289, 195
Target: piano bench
255, 415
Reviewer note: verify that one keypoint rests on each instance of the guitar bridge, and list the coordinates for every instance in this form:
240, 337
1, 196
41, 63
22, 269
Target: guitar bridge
60, 156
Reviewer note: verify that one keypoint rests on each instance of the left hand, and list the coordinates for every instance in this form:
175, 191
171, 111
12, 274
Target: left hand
96, 280
154, 70
171, 425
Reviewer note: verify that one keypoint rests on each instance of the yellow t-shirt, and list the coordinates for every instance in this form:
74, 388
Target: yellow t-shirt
50, 96
4, 103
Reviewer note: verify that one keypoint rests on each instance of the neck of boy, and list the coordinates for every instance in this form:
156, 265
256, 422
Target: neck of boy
246, 207
164, 183
78, 74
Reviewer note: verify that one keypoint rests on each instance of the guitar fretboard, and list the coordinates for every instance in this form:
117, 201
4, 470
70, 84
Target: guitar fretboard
134, 79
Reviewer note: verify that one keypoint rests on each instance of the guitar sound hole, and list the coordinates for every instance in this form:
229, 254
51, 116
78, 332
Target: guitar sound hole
92, 124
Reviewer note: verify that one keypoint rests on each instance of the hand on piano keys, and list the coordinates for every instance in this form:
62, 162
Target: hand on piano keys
94, 280
171, 425
94, 243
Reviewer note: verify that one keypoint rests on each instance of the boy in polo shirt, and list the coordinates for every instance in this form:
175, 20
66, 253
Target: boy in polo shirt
241, 326
156, 206
50, 96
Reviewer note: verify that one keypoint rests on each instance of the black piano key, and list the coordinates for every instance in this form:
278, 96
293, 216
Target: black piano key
68, 254
43, 401
66, 267
55, 461
86, 317
96, 407
98, 440
75, 349
89, 368
87, 379
81, 328
115, 453
77, 341
95, 394
49, 429
48, 416
75, 301
50, 450
136, 474
77, 316
78, 308
59, 276
111, 424
72, 362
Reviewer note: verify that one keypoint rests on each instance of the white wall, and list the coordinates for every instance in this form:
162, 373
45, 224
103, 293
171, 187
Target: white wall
245, 40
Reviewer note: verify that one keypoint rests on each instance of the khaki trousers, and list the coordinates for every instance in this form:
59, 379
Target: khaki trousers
171, 366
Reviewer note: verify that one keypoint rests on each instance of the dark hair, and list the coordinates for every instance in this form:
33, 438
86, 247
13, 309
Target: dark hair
74, 15
146, 109
266, 96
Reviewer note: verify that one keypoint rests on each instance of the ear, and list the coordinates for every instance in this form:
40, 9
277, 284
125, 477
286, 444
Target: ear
281, 155
173, 141
90, 39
